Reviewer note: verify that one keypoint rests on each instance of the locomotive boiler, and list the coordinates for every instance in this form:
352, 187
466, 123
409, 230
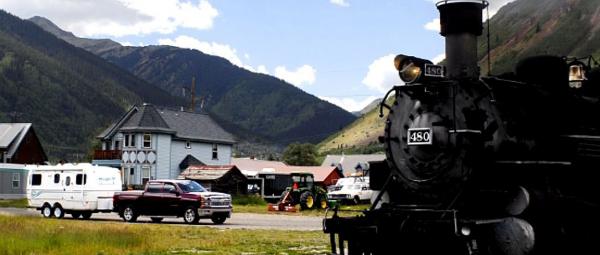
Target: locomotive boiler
483, 165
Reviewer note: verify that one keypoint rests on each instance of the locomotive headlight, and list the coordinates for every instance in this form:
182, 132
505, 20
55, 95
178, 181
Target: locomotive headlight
576, 74
410, 68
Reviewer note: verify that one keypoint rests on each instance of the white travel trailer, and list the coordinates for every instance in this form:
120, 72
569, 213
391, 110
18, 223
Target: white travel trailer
76, 189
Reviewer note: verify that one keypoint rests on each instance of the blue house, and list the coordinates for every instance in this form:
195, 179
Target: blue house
151, 143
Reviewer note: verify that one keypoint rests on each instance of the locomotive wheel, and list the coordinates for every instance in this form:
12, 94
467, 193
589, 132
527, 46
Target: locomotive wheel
307, 200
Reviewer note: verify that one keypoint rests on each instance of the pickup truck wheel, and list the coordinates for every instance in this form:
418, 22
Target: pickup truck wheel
75, 215
190, 215
218, 219
129, 214
47, 211
58, 211
156, 219
86, 215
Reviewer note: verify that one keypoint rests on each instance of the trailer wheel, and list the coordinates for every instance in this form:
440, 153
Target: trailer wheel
129, 214
47, 211
190, 215
59, 213
156, 219
75, 215
86, 215
218, 219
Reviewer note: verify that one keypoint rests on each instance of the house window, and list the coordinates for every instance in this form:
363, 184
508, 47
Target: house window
188, 144
117, 145
16, 180
145, 174
130, 140
215, 151
36, 179
147, 141
56, 178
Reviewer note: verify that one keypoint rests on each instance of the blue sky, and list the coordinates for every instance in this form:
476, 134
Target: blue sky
338, 50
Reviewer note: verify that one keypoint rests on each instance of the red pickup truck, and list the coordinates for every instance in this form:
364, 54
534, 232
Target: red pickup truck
180, 198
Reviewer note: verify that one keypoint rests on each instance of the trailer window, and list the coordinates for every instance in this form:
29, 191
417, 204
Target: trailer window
68, 181
36, 179
81, 179
56, 178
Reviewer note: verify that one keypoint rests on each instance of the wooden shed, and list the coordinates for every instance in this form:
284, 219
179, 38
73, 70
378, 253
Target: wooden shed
227, 179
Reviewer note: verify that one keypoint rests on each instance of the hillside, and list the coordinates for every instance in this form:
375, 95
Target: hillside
359, 137
520, 29
67, 93
537, 27
250, 104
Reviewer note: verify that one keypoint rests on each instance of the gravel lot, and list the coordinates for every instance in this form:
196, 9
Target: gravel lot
237, 220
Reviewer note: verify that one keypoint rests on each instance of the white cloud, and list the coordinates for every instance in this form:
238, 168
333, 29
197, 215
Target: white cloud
118, 17
437, 59
382, 75
302, 75
433, 25
342, 3
262, 69
349, 104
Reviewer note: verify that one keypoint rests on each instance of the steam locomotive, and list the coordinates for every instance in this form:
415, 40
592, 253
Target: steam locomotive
483, 165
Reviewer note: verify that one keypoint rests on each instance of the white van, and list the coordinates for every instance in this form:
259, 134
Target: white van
76, 189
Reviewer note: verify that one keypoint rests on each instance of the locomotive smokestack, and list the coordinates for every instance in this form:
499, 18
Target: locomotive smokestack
461, 24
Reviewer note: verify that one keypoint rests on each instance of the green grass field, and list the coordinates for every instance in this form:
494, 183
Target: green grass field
30, 235
18, 203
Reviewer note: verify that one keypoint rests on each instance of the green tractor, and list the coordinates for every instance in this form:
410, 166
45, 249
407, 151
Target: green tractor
303, 191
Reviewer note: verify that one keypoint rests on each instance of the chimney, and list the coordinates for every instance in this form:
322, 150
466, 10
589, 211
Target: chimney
461, 24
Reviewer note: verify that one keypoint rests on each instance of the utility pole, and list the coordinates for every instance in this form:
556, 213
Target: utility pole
193, 92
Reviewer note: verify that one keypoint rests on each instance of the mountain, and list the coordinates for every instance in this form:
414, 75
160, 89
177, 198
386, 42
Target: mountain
360, 137
526, 28
368, 108
249, 104
520, 29
68, 94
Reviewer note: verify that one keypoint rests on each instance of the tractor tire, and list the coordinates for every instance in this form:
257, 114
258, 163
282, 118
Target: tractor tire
322, 202
307, 200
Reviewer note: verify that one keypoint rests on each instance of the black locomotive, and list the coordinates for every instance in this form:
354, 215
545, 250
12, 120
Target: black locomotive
483, 165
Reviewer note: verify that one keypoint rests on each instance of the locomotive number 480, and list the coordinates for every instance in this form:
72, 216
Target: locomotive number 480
419, 136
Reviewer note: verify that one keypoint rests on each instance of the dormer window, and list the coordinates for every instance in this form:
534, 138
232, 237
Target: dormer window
147, 141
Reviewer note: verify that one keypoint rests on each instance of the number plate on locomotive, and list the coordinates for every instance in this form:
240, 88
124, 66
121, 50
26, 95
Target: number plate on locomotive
434, 70
419, 136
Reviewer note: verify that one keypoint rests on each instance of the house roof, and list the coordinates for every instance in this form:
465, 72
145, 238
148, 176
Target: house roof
252, 167
349, 162
11, 136
319, 172
190, 160
206, 173
183, 125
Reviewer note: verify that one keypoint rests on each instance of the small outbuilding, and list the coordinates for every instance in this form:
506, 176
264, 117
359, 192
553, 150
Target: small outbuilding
13, 181
19, 144
227, 179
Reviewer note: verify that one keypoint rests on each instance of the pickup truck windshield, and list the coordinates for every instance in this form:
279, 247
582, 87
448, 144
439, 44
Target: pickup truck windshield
191, 186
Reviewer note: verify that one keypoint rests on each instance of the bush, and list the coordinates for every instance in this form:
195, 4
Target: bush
248, 200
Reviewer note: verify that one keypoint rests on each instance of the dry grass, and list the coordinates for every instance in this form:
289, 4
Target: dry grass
345, 210
30, 235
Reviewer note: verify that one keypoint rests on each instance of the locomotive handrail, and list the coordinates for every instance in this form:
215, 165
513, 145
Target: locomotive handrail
383, 104
485, 3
